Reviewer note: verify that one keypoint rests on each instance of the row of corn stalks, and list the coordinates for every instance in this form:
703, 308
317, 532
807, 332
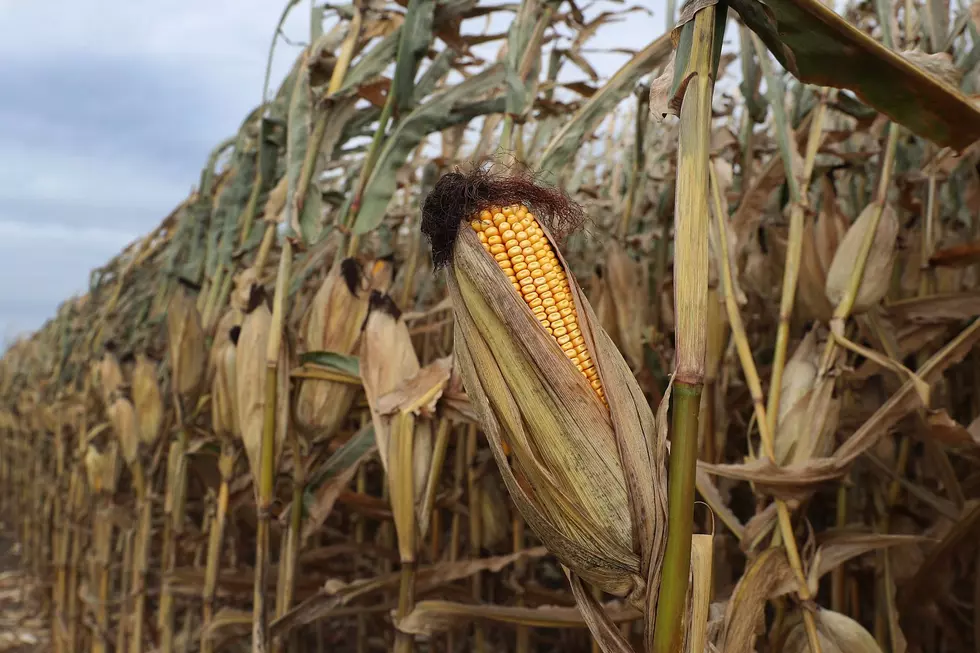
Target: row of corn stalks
477, 350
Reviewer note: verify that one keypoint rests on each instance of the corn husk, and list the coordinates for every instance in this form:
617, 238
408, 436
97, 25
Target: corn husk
388, 360
122, 416
569, 479
878, 269
626, 282
333, 323
102, 468
808, 412
185, 336
147, 400
110, 377
223, 372
837, 633
821, 238
250, 383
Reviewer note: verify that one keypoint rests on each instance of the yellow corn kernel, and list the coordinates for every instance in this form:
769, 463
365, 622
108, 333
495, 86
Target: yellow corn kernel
517, 243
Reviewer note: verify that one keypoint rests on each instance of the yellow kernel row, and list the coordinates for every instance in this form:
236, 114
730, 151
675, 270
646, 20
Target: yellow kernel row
515, 240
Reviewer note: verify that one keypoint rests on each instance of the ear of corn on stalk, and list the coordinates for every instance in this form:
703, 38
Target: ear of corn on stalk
102, 467
224, 392
147, 400
877, 270
250, 379
110, 376
587, 474
388, 360
122, 416
188, 356
333, 323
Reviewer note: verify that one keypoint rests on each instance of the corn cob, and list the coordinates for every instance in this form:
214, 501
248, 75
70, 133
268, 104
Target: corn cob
521, 249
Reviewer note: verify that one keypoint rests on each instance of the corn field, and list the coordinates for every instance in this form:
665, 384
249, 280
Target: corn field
458, 345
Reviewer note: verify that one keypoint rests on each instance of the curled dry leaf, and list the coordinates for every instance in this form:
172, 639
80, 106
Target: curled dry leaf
764, 575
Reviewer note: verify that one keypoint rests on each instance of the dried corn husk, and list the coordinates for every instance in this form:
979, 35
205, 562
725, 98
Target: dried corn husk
185, 335
102, 468
626, 282
251, 371
574, 459
821, 238
224, 392
837, 634
122, 416
808, 413
878, 269
388, 361
147, 400
333, 323
110, 377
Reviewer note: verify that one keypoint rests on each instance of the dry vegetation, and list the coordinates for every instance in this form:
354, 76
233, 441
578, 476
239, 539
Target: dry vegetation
280, 422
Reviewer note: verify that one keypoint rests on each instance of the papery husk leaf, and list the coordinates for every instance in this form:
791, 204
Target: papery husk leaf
572, 490
122, 415
185, 336
388, 359
224, 389
147, 400
538, 386
333, 323
837, 634
110, 377
877, 270
626, 283
102, 468
251, 370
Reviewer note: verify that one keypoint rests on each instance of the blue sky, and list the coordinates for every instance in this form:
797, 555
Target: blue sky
108, 111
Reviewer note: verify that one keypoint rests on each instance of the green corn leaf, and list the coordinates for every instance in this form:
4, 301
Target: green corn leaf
301, 221
344, 363
373, 62
416, 37
566, 142
433, 116
819, 47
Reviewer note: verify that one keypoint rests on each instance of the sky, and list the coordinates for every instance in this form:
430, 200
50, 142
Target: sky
109, 113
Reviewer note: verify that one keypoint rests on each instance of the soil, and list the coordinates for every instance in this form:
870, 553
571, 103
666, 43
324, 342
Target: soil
23, 629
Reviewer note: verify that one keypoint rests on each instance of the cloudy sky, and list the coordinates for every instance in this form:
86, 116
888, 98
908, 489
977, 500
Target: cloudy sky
108, 111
